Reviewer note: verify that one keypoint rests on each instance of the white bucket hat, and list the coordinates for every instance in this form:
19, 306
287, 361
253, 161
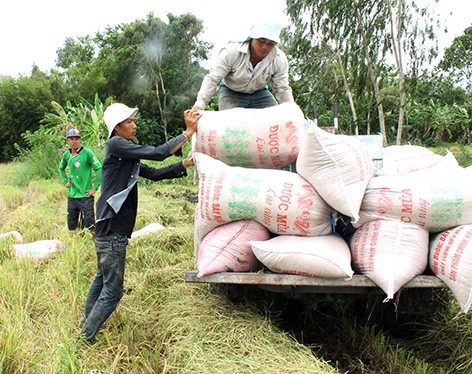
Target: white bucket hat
117, 113
269, 31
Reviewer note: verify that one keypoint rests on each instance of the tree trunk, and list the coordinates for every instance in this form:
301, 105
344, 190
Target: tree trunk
375, 85
396, 46
348, 92
162, 103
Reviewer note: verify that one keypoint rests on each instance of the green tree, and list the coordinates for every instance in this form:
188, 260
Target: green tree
147, 63
457, 59
355, 48
23, 103
82, 71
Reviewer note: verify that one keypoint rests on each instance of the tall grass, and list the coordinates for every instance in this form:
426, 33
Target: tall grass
163, 325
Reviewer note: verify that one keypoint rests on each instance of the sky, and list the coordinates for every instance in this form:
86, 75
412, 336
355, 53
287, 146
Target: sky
31, 31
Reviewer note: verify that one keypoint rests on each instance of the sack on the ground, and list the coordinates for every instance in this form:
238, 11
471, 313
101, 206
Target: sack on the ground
267, 138
434, 201
390, 253
17, 237
324, 256
339, 167
450, 259
148, 229
282, 201
227, 248
39, 250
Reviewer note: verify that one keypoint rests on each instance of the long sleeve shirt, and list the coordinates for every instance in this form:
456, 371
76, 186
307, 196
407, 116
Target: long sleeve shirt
118, 202
234, 70
79, 172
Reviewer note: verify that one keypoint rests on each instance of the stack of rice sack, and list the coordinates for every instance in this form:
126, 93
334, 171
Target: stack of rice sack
416, 199
249, 210
252, 214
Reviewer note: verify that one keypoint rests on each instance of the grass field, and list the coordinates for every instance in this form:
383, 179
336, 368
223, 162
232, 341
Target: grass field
164, 325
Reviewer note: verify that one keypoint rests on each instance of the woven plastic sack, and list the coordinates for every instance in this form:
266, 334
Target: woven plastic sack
434, 201
405, 159
324, 256
390, 253
282, 201
40, 250
148, 229
450, 259
339, 167
227, 248
17, 237
268, 138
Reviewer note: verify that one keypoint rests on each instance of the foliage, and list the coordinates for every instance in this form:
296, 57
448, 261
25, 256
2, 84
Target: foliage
147, 63
457, 59
85, 116
341, 53
46, 145
338, 51
42, 157
23, 102
440, 123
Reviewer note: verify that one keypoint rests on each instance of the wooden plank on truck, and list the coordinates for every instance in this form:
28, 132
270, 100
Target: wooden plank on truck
303, 284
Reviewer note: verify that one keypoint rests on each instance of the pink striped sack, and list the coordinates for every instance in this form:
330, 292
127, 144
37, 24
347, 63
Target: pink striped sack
227, 248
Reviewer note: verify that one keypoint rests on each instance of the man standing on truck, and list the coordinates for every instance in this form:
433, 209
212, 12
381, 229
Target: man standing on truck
244, 71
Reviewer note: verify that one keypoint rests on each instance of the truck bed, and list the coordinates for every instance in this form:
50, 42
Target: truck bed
292, 283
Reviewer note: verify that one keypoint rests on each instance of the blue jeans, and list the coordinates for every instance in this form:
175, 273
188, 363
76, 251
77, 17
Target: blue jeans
106, 289
228, 99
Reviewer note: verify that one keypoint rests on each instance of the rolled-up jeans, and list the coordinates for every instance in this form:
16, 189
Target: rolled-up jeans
106, 289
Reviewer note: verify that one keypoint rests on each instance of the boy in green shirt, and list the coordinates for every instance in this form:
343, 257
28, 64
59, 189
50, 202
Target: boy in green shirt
79, 162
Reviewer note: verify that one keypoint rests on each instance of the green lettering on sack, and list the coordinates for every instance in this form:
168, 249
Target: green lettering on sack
243, 197
448, 206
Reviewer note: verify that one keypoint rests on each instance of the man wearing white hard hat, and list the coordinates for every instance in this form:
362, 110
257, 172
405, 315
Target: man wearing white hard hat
118, 203
245, 70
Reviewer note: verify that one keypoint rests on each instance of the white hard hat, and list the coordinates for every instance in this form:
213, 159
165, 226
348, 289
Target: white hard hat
270, 31
117, 113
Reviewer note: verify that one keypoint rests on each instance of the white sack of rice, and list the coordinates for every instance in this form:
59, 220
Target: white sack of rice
405, 159
339, 167
325, 256
282, 201
17, 237
268, 138
39, 250
450, 259
433, 201
390, 253
148, 229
